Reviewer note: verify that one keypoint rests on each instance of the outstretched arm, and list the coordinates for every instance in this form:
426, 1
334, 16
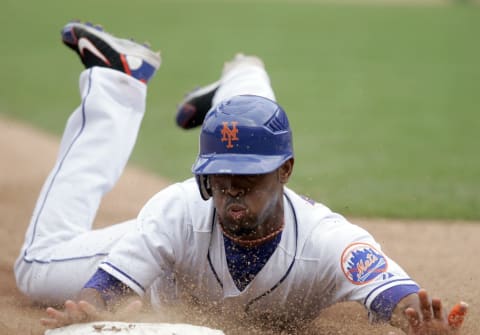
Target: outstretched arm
89, 308
416, 314
102, 298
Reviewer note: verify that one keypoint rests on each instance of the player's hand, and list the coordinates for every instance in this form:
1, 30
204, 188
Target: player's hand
432, 319
82, 311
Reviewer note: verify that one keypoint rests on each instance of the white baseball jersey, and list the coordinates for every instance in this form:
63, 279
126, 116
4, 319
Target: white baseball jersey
175, 249
321, 259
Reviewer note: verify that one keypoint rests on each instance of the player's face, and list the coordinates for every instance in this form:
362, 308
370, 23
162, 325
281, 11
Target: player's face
245, 202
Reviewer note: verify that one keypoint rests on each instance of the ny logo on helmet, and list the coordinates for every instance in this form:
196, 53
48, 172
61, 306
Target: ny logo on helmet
229, 134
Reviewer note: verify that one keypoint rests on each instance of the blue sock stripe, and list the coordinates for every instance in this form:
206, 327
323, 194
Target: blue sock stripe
144, 72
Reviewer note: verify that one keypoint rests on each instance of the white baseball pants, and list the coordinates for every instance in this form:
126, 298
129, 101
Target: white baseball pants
61, 251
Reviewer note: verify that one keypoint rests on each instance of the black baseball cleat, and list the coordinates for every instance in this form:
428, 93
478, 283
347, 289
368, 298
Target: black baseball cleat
98, 48
192, 110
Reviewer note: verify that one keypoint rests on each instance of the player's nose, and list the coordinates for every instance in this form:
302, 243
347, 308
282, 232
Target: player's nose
235, 191
234, 188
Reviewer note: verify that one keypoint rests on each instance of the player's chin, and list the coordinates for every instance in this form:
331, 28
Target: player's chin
239, 227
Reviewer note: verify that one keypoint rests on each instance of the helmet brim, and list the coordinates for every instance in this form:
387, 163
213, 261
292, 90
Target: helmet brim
238, 164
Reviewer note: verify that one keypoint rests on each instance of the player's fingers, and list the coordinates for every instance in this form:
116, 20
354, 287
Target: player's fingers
53, 313
49, 323
437, 309
91, 312
133, 307
413, 319
457, 315
425, 306
56, 318
74, 313
129, 310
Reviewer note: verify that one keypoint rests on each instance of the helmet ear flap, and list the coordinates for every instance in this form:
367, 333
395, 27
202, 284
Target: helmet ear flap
204, 186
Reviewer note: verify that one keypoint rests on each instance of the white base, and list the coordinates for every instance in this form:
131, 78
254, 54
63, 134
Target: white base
132, 328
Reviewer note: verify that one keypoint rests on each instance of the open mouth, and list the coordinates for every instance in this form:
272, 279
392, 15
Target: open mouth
237, 212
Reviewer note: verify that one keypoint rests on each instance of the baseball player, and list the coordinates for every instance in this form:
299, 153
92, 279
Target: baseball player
234, 239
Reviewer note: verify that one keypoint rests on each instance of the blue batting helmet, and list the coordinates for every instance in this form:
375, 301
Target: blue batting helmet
244, 135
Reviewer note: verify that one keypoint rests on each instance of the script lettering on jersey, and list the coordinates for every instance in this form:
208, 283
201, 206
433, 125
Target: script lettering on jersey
362, 263
229, 134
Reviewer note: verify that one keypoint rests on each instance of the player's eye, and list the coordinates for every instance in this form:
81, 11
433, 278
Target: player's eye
218, 189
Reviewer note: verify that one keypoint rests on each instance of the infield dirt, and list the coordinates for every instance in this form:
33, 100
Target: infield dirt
440, 256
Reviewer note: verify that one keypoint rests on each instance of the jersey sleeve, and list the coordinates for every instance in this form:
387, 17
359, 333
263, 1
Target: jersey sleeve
363, 272
108, 286
141, 256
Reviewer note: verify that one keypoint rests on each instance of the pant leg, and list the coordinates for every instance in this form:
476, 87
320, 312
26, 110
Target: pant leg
60, 250
244, 78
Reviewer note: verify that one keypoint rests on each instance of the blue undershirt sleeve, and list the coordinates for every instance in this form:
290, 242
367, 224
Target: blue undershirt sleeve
382, 307
108, 286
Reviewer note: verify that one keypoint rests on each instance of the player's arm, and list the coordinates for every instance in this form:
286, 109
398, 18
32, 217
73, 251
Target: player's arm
418, 314
103, 298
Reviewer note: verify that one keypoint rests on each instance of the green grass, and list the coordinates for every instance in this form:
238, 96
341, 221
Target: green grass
383, 101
